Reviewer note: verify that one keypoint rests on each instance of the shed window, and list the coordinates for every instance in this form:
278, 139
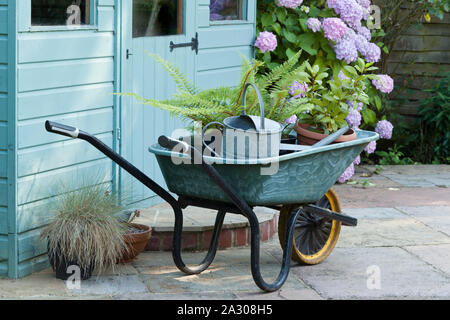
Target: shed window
225, 10
157, 18
60, 12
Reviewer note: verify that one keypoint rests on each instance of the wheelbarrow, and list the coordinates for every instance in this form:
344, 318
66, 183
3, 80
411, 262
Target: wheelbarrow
310, 217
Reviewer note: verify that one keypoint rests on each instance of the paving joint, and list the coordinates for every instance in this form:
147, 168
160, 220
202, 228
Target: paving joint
445, 274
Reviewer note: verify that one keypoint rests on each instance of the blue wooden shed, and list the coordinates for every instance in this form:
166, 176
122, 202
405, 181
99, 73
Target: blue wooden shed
62, 61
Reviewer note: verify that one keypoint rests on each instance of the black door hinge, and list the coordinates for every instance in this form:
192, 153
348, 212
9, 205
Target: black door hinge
193, 44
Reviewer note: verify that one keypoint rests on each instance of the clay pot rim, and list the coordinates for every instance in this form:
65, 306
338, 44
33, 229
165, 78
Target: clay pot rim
301, 128
137, 237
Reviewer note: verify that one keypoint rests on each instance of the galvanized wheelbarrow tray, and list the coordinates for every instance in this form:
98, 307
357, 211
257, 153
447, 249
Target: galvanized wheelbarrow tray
299, 177
310, 217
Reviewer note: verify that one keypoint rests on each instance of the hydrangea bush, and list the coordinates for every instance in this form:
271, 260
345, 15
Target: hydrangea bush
333, 35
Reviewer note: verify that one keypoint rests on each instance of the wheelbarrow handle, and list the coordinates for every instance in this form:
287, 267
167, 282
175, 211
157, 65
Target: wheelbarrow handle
75, 133
170, 143
62, 129
331, 138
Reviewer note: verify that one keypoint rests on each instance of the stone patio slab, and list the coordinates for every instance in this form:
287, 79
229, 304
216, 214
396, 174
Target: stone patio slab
41, 284
375, 213
442, 180
410, 181
413, 170
436, 255
373, 197
389, 233
111, 285
162, 219
179, 296
344, 275
436, 217
234, 278
282, 294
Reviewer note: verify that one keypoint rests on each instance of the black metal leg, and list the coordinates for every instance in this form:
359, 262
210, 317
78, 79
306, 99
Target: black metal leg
255, 251
176, 252
240, 203
247, 211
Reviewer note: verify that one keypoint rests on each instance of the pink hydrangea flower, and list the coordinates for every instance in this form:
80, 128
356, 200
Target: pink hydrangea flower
354, 118
349, 11
365, 33
373, 53
348, 174
334, 28
314, 24
266, 41
292, 4
357, 161
371, 147
384, 128
362, 45
359, 106
342, 76
384, 83
364, 3
346, 50
298, 90
292, 119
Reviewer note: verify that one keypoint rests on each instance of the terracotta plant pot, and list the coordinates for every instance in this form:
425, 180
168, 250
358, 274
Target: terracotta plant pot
136, 242
307, 137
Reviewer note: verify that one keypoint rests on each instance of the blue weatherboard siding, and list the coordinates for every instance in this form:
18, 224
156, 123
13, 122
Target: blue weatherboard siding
218, 62
66, 76
69, 76
4, 58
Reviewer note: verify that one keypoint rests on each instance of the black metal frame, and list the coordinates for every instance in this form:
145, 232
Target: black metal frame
238, 206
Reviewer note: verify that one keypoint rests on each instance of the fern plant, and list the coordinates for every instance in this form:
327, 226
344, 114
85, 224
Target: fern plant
216, 104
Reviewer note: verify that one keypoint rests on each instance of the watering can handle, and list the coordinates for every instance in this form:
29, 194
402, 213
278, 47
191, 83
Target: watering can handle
260, 99
203, 136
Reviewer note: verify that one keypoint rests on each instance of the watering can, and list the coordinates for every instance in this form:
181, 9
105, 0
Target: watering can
246, 136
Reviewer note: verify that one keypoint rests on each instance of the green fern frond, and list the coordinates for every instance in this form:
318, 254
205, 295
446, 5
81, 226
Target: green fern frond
219, 103
180, 79
247, 77
279, 72
221, 95
246, 65
196, 101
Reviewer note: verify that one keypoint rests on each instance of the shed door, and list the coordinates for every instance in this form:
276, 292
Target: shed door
151, 26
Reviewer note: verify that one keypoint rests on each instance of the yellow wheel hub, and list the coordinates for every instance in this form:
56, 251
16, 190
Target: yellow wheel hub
314, 237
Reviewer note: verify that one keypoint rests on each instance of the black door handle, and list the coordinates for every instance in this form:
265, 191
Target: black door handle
128, 54
193, 44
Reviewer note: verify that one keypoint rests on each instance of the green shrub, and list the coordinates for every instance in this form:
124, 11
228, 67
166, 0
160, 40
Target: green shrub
427, 138
435, 123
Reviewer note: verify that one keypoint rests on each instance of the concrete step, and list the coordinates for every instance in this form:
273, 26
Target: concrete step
198, 226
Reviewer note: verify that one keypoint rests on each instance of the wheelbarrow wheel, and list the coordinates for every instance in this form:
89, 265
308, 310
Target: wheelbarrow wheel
314, 237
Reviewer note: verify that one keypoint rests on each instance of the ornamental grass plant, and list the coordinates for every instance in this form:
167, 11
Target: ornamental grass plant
86, 227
